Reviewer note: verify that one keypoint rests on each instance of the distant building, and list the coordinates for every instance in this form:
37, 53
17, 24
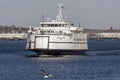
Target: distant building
108, 35
13, 36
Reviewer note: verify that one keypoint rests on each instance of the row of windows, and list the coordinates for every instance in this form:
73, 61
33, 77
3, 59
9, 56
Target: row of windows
50, 32
53, 25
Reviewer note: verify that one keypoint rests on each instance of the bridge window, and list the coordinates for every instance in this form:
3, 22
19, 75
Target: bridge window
52, 25
59, 25
48, 25
42, 25
55, 25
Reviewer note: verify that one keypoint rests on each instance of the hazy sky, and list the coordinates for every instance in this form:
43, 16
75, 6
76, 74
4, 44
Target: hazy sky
100, 14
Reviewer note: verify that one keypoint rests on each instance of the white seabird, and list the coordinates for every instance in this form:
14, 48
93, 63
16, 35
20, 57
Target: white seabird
46, 75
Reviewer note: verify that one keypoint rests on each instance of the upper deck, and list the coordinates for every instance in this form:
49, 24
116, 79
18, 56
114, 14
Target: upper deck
55, 26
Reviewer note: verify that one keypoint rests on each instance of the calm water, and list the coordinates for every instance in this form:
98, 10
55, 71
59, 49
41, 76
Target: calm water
101, 62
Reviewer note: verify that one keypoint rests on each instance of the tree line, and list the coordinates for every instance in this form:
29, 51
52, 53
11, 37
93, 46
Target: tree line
13, 29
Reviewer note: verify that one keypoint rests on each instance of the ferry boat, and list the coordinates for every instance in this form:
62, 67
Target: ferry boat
57, 37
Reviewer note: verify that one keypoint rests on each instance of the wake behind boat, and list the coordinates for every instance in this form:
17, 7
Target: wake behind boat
57, 37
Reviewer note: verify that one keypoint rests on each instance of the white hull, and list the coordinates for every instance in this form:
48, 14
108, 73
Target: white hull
59, 43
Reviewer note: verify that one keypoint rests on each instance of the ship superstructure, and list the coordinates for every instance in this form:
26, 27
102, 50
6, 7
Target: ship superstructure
57, 37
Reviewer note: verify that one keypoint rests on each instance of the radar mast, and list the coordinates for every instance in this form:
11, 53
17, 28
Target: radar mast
59, 17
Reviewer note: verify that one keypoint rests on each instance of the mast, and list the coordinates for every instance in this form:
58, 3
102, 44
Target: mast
42, 17
59, 17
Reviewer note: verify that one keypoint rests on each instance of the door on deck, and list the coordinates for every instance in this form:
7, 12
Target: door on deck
41, 42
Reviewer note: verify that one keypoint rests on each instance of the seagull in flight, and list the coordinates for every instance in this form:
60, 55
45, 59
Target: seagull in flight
46, 75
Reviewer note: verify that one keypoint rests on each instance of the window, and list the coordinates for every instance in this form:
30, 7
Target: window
52, 31
44, 31
48, 25
42, 25
52, 25
48, 31
45, 25
60, 31
55, 25
59, 25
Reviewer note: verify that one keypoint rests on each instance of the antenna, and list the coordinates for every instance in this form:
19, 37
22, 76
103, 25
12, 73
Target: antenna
42, 17
59, 17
